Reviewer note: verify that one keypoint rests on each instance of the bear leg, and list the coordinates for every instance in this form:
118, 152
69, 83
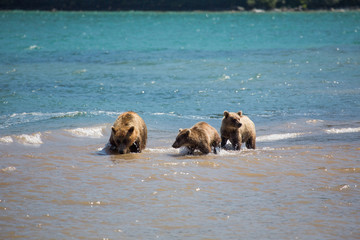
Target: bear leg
216, 149
223, 141
205, 149
190, 150
250, 144
236, 144
216, 146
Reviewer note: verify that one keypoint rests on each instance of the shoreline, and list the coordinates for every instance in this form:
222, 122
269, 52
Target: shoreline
314, 131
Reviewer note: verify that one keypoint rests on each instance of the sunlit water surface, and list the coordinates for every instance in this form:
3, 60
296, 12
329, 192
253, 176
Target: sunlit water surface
65, 77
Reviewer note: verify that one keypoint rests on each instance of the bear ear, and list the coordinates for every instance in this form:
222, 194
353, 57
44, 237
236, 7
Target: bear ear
240, 113
113, 130
187, 133
180, 129
226, 114
131, 130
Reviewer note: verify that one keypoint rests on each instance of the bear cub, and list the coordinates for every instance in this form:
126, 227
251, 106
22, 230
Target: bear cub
128, 134
201, 136
239, 129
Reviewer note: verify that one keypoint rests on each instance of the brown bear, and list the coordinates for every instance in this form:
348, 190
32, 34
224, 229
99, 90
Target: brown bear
128, 134
239, 129
201, 136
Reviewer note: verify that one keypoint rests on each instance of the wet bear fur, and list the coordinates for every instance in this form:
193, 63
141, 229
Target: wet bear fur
128, 134
239, 129
201, 136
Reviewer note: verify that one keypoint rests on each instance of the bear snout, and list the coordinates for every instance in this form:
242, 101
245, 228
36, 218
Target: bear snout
122, 149
175, 145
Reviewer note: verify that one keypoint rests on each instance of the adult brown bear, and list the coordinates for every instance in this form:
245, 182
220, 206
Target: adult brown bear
128, 134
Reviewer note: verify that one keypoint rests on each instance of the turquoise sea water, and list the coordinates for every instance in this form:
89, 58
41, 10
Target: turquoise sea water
71, 69
66, 76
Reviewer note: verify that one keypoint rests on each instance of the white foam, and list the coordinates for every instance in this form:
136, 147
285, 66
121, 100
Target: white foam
91, 132
172, 114
161, 150
161, 113
314, 121
32, 47
228, 152
107, 113
277, 137
6, 139
342, 130
80, 71
29, 117
182, 151
9, 169
33, 139
224, 77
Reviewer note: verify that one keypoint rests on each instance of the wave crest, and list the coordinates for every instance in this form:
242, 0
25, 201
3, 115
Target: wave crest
6, 139
30, 139
342, 130
277, 137
92, 132
32, 117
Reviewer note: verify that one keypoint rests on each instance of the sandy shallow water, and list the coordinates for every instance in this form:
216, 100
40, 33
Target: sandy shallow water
75, 190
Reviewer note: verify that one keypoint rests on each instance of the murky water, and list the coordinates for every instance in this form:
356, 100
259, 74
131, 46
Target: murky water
76, 191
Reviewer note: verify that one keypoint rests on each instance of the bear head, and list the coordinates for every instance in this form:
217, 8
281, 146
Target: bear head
232, 120
124, 139
182, 139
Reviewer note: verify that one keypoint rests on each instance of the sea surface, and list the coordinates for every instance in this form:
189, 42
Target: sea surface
66, 76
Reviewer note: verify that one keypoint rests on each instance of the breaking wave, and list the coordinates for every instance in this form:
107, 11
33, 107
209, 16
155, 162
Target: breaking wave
30, 139
14, 119
277, 137
92, 132
6, 139
9, 169
173, 114
342, 130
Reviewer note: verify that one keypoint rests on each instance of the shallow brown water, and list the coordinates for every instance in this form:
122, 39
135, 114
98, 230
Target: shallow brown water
67, 188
